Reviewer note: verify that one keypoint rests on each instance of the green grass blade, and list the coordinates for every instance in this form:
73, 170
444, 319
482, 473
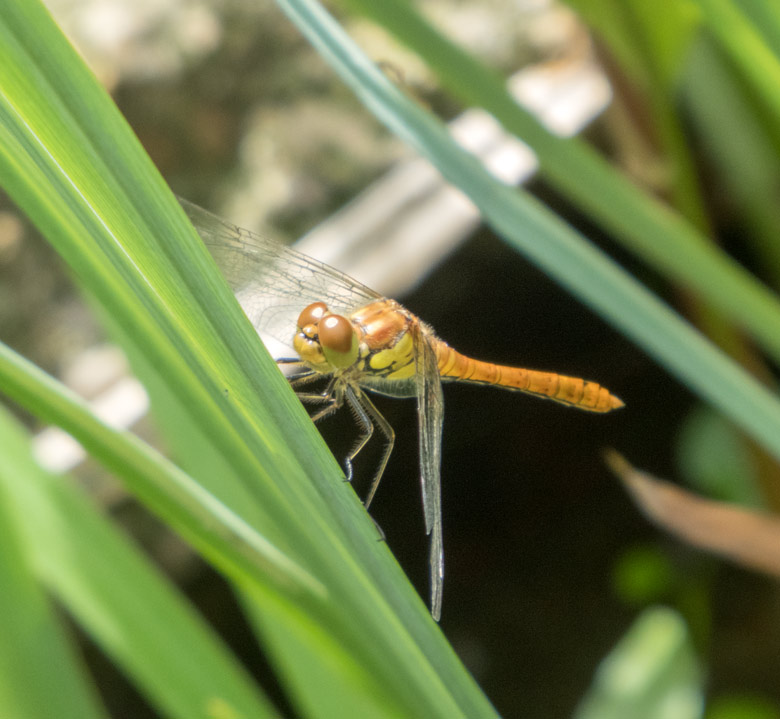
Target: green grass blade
646, 227
766, 19
40, 674
739, 145
314, 680
648, 41
744, 44
118, 597
651, 42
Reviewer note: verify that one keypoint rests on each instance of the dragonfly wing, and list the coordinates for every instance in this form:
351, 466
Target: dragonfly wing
272, 282
430, 410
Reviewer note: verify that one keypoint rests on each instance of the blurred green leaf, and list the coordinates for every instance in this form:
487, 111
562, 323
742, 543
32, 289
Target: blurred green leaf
742, 40
740, 144
643, 574
742, 707
714, 459
207, 523
652, 673
650, 41
116, 596
41, 676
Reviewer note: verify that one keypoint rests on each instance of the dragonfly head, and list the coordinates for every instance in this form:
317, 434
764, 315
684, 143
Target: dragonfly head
324, 340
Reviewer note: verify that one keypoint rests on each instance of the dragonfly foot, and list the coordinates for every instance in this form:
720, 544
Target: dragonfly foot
380, 531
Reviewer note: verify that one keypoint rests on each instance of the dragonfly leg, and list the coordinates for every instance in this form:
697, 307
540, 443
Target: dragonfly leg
331, 405
299, 380
379, 530
365, 428
300, 375
331, 398
369, 416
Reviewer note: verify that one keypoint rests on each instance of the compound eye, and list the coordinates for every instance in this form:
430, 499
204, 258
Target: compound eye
312, 314
338, 340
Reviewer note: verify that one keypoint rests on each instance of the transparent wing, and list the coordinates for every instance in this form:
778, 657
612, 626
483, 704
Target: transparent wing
430, 411
272, 282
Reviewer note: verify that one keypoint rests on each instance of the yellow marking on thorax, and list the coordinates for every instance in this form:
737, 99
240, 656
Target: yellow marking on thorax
396, 362
386, 342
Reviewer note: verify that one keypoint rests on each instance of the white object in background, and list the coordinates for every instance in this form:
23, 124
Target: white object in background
119, 400
396, 231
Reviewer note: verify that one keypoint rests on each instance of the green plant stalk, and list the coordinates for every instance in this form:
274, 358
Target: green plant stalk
748, 167
766, 19
744, 44
649, 49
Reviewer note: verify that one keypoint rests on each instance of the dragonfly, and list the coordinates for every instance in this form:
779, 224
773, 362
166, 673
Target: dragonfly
362, 343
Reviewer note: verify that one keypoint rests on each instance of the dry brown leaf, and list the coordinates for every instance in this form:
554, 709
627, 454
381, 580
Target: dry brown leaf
747, 537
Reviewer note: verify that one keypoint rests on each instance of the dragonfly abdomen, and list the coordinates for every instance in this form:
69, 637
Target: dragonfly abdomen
571, 391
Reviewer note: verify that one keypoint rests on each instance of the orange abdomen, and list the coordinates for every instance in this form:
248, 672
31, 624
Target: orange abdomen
572, 391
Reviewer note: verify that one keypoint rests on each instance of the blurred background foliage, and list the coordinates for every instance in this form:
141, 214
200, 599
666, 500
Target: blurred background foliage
550, 567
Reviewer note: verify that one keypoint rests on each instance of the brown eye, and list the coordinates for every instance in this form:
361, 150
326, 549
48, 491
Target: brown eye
312, 314
336, 333
339, 341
